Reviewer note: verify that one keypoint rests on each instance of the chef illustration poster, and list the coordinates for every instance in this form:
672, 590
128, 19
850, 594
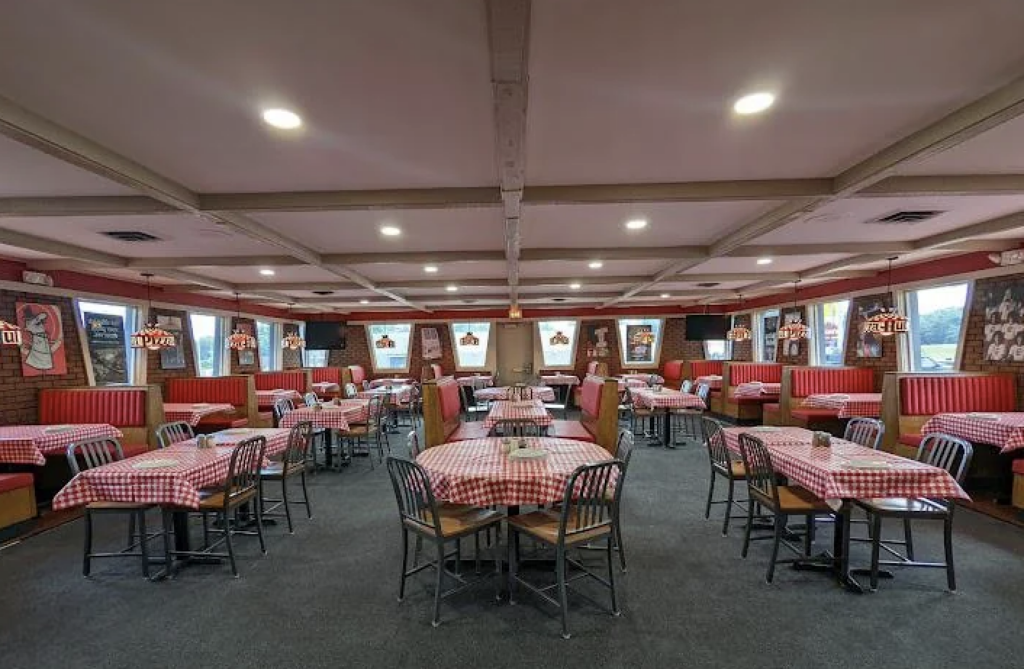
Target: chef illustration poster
42, 348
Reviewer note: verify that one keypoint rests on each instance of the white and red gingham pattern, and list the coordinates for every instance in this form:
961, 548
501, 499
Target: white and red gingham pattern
854, 404
399, 394
322, 387
30, 444
714, 381
666, 399
1007, 432
647, 379
399, 381
560, 380
193, 413
756, 389
542, 393
830, 473
485, 379
530, 410
479, 472
267, 398
334, 417
771, 436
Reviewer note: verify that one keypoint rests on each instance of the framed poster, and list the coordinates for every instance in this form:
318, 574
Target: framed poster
42, 350
246, 358
174, 357
771, 329
595, 340
790, 347
105, 339
639, 344
1004, 324
431, 343
869, 344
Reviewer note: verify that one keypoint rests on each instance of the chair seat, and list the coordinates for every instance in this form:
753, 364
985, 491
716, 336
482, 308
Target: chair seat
570, 429
901, 505
793, 499
458, 520
736, 471
469, 430
213, 500
278, 469
543, 525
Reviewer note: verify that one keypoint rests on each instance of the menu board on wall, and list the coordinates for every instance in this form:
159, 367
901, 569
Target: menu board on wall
104, 334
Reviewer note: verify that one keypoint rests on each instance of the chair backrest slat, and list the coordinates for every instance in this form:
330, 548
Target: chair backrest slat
714, 441
585, 504
867, 432
299, 439
416, 503
244, 469
282, 407
93, 453
703, 392
757, 462
172, 433
946, 452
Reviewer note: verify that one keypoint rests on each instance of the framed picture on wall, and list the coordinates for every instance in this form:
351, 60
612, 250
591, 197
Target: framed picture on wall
869, 344
595, 338
174, 357
1004, 324
42, 349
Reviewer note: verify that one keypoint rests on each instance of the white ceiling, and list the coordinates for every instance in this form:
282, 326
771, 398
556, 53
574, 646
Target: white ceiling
628, 116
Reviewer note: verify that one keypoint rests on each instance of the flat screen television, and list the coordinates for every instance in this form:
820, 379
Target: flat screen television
704, 327
325, 335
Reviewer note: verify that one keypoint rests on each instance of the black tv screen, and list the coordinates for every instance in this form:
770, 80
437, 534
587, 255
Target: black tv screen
705, 327
325, 335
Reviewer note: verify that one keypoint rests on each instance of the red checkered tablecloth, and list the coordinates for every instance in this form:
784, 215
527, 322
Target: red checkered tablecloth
646, 378
479, 472
848, 471
757, 389
542, 393
531, 410
397, 381
666, 399
1005, 430
560, 380
193, 413
485, 379
323, 387
714, 381
331, 416
267, 398
399, 394
30, 444
848, 405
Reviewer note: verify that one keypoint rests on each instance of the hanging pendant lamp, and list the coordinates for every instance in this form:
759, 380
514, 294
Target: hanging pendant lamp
150, 337
292, 341
10, 335
238, 340
889, 321
739, 332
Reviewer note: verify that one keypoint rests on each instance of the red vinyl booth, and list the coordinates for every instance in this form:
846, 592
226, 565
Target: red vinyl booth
735, 373
599, 415
353, 374
799, 382
237, 390
327, 375
17, 499
135, 410
299, 380
442, 415
672, 372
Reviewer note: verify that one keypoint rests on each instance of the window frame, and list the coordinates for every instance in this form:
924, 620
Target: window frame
539, 362
911, 342
135, 359
620, 325
371, 345
727, 355
221, 359
274, 351
489, 354
816, 312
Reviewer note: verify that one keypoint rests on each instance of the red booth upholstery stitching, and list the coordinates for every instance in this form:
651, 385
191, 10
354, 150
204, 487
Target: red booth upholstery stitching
121, 408
818, 380
281, 380
229, 390
929, 395
765, 372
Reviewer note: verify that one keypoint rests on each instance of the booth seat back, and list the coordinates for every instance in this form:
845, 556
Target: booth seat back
237, 390
694, 368
735, 373
909, 400
597, 368
442, 408
325, 375
826, 380
354, 374
745, 372
135, 410
298, 380
672, 372
599, 410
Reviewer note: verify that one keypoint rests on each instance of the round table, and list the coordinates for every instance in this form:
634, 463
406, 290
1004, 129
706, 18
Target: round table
480, 473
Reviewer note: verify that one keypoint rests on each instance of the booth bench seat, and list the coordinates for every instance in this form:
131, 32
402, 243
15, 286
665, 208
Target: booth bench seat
800, 382
17, 499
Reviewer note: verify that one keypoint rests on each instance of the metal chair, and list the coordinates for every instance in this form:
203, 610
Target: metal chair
475, 408
372, 432
172, 433
310, 399
281, 408
241, 488
687, 420
685, 386
722, 465
291, 465
623, 453
939, 450
518, 427
413, 441
585, 516
351, 390
635, 412
420, 514
867, 432
783, 501
94, 453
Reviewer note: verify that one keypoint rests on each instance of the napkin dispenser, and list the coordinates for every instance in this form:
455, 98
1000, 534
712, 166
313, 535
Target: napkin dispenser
821, 439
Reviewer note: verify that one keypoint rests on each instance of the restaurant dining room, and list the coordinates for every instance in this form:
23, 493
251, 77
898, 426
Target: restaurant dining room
465, 333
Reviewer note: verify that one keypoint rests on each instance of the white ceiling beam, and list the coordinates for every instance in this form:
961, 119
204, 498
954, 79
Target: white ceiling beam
687, 191
101, 205
354, 200
32, 243
215, 261
953, 185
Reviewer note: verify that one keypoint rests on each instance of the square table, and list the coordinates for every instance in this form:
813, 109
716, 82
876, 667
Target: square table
193, 413
757, 389
714, 381
527, 410
30, 444
850, 405
338, 415
665, 400
325, 387
396, 381
267, 398
1005, 430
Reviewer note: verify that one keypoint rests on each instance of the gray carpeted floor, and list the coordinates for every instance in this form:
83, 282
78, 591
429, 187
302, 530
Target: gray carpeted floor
325, 597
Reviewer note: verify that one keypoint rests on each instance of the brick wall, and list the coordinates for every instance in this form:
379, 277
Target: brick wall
19, 395
676, 346
154, 373
357, 351
802, 346
973, 358
888, 361
248, 325
612, 359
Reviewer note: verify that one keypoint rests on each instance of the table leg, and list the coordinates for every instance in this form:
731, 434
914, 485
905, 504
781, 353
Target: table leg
666, 428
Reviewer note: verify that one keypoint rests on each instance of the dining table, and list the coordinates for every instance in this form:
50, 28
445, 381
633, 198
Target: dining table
714, 381
848, 405
325, 387
519, 410
497, 393
334, 416
400, 394
664, 400
1004, 430
396, 381
841, 473
757, 389
30, 444
648, 379
194, 413
268, 398
476, 380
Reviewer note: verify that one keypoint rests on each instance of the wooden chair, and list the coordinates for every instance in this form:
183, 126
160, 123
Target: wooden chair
585, 516
241, 488
172, 433
292, 465
421, 515
96, 453
782, 501
722, 466
939, 450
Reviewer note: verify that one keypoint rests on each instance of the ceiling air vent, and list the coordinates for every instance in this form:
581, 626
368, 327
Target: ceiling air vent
323, 292
907, 217
132, 236
708, 284
558, 299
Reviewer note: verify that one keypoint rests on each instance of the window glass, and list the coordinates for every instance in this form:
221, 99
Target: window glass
208, 335
390, 345
639, 341
269, 345
315, 358
936, 315
769, 327
471, 341
830, 331
557, 343
107, 330
716, 349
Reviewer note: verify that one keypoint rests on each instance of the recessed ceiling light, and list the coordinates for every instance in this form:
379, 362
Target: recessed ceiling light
267, 272
755, 103
596, 264
665, 296
636, 224
364, 301
285, 119
452, 289
764, 261
430, 269
574, 286
390, 230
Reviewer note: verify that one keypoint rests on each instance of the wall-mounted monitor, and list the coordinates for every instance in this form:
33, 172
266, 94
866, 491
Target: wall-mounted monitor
325, 335
704, 327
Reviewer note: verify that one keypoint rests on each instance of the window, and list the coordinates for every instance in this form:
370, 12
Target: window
716, 349
268, 337
935, 315
768, 327
208, 336
389, 343
557, 343
830, 331
471, 342
107, 330
316, 358
639, 341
